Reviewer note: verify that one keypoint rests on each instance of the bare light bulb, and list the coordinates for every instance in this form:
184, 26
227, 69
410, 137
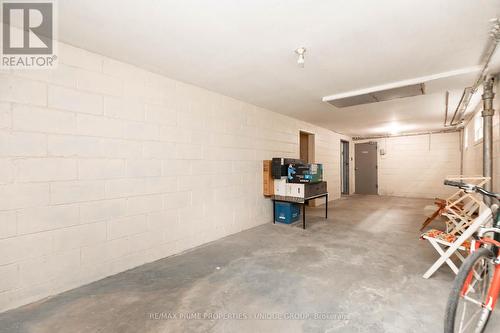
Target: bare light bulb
301, 60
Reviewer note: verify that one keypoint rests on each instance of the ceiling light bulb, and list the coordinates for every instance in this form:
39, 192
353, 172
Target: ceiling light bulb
300, 61
301, 51
394, 128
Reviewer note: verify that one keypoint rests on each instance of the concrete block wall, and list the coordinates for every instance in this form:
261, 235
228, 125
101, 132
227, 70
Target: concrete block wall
473, 150
415, 166
104, 166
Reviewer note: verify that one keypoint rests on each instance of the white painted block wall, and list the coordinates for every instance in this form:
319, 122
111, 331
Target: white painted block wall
473, 150
104, 166
415, 166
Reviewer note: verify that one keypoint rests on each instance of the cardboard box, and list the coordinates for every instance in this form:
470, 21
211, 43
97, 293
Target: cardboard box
316, 171
295, 190
267, 179
306, 190
313, 189
298, 173
305, 173
280, 186
280, 166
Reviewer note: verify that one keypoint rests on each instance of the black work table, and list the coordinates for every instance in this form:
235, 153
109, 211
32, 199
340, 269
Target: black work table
301, 201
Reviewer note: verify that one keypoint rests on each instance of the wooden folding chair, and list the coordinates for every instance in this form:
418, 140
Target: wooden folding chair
440, 203
441, 240
448, 245
461, 212
455, 202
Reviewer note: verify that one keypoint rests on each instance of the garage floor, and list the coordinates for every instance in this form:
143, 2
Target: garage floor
360, 272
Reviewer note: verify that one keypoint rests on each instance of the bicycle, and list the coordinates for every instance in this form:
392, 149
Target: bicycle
477, 284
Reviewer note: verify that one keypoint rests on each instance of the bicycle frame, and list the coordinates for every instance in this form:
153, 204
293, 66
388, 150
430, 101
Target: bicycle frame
494, 290
482, 277
492, 296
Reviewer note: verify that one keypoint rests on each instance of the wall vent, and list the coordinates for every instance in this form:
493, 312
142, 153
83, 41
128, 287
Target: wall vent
379, 96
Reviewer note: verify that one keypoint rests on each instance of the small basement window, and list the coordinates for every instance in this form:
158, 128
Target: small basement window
478, 127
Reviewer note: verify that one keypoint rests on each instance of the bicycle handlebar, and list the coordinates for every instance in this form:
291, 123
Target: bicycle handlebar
471, 188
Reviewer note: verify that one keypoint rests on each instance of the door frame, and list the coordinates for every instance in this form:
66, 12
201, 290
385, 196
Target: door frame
345, 187
311, 156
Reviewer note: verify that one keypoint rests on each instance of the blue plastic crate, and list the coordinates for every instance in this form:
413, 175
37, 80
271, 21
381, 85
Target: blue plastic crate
286, 212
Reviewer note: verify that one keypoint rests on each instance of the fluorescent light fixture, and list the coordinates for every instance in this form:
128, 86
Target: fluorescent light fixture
380, 96
399, 84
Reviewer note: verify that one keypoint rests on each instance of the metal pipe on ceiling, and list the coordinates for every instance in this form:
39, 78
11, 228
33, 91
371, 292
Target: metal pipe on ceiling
458, 116
446, 107
449, 130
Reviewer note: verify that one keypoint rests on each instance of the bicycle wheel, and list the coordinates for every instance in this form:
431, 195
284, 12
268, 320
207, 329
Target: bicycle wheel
464, 311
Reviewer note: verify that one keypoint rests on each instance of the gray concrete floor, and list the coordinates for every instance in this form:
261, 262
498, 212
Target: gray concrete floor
360, 271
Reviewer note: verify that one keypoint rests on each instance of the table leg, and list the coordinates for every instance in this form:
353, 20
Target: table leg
274, 212
326, 207
304, 215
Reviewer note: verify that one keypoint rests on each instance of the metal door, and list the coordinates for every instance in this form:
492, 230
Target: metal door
366, 168
344, 166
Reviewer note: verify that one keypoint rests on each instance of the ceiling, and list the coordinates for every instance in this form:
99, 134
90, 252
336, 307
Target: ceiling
245, 49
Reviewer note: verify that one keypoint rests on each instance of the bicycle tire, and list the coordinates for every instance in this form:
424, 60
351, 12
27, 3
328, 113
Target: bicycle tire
454, 297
